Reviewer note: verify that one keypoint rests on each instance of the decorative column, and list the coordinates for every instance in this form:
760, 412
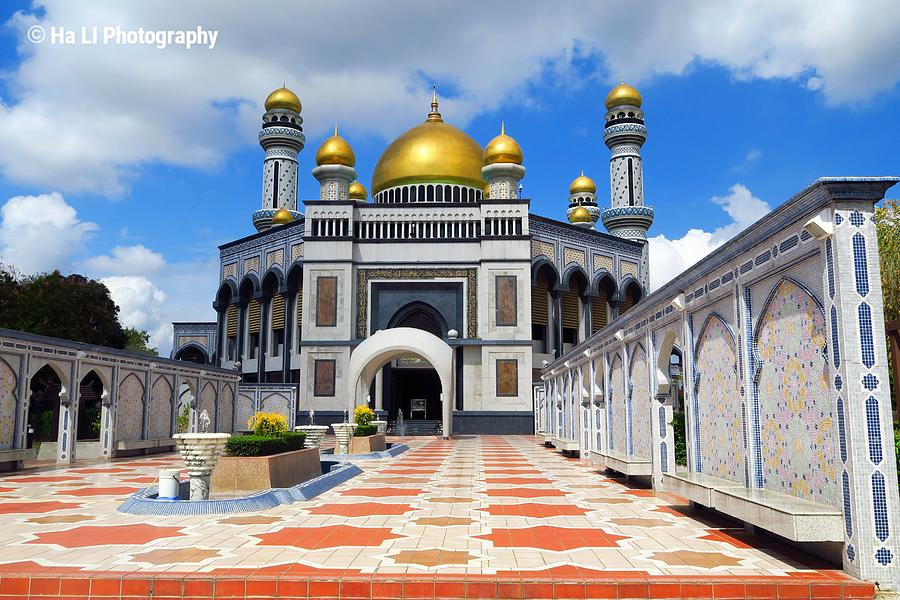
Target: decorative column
282, 139
624, 134
858, 354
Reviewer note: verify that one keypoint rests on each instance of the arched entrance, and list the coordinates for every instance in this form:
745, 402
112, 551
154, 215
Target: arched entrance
387, 345
43, 407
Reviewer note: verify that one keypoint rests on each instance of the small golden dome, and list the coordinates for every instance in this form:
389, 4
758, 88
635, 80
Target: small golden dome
282, 216
283, 98
432, 152
502, 149
580, 215
623, 94
582, 185
335, 151
486, 192
357, 191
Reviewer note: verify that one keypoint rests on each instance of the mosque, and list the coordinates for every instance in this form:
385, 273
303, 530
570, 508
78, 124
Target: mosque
442, 296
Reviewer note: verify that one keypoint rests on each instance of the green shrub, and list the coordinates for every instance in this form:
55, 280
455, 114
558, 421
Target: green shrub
897, 441
264, 445
365, 430
680, 438
184, 418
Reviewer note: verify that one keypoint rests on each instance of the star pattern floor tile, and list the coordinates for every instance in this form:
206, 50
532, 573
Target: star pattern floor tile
482, 509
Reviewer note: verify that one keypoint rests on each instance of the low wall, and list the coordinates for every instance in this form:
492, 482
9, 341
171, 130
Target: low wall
473, 422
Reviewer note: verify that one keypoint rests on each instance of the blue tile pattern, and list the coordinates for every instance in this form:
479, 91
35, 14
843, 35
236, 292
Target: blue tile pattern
884, 556
835, 343
829, 256
860, 264
873, 426
879, 506
842, 435
866, 341
870, 382
848, 514
856, 218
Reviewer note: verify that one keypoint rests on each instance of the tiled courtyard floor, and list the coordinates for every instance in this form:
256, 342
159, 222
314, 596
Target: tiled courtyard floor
476, 517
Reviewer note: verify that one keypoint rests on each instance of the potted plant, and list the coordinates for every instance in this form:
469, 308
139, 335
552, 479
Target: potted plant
271, 457
366, 437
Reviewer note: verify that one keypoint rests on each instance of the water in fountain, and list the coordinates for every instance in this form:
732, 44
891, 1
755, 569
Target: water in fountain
401, 426
204, 421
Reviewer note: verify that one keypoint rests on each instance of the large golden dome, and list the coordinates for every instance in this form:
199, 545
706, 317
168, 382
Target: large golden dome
623, 94
335, 151
503, 149
283, 98
433, 152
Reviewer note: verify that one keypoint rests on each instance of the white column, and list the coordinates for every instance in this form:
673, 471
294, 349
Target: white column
379, 395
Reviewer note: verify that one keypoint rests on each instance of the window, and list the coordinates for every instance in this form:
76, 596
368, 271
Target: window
326, 302
323, 380
507, 300
507, 377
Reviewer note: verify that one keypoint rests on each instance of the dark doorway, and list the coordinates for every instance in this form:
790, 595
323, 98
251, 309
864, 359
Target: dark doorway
420, 315
407, 385
191, 354
43, 407
89, 408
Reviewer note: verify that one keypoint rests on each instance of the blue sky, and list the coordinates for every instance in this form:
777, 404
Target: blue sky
154, 151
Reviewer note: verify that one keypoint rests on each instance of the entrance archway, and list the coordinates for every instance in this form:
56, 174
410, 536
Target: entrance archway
386, 345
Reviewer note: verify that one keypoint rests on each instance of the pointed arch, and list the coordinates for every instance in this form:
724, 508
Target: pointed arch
161, 408
795, 403
719, 410
616, 417
9, 384
641, 402
130, 409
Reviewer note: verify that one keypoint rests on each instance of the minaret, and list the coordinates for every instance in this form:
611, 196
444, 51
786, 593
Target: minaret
282, 138
502, 167
583, 195
624, 135
334, 168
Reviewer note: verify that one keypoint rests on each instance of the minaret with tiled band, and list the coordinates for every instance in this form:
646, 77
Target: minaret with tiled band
282, 139
503, 168
624, 134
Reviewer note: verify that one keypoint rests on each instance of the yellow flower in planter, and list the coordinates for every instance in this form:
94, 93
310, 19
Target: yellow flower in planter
363, 415
269, 424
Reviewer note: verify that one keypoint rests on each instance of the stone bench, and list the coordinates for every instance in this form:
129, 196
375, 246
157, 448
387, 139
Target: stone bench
565, 445
17, 454
626, 465
145, 444
792, 518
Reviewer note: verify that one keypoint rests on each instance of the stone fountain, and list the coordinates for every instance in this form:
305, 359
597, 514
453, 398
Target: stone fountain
343, 432
200, 452
314, 433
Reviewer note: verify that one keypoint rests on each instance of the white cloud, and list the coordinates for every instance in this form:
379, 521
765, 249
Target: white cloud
88, 118
41, 233
127, 260
668, 257
753, 155
140, 305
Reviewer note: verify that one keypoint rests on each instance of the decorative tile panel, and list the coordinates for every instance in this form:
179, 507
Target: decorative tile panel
641, 405
224, 422
603, 262
718, 392
130, 409
618, 417
229, 270
200, 340
626, 267
570, 255
160, 408
251, 264
7, 406
796, 411
275, 257
296, 252
207, 402
539, 248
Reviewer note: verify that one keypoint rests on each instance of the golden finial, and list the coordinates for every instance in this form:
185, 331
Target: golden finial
335, 130
502, 128
434, 115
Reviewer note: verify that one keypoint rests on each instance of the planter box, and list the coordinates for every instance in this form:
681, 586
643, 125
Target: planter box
242, 475
370, 443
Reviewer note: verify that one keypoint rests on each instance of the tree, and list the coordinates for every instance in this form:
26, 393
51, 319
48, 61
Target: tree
887, 224
138, 341
70, 307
